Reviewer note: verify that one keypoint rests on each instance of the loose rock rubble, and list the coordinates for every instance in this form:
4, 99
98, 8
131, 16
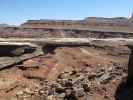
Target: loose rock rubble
74, 85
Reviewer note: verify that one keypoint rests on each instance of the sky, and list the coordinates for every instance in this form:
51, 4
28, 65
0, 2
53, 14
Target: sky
18, 11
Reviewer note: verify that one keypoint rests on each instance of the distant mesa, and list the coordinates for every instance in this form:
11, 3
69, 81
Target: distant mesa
121, 24
93, 27
4, 25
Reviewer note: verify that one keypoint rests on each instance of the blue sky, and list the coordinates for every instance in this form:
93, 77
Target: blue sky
18, 11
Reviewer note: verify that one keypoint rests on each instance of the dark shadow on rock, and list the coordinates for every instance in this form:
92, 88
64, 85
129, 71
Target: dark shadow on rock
12, 50
125, 89
49, 49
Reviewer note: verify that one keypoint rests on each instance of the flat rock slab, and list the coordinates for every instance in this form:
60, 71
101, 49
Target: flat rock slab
8, 61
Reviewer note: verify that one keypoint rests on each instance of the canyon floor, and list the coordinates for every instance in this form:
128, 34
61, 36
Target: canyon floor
67, 73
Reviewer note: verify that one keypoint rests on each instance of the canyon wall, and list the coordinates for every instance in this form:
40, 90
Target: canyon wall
118, 24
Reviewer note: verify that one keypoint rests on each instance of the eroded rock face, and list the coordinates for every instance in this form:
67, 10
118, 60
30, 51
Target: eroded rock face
68, 33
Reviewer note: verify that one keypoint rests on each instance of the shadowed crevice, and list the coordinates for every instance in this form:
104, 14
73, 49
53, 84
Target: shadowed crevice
125, 88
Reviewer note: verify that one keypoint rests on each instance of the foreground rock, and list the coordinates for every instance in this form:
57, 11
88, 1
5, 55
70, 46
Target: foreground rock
67, 72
